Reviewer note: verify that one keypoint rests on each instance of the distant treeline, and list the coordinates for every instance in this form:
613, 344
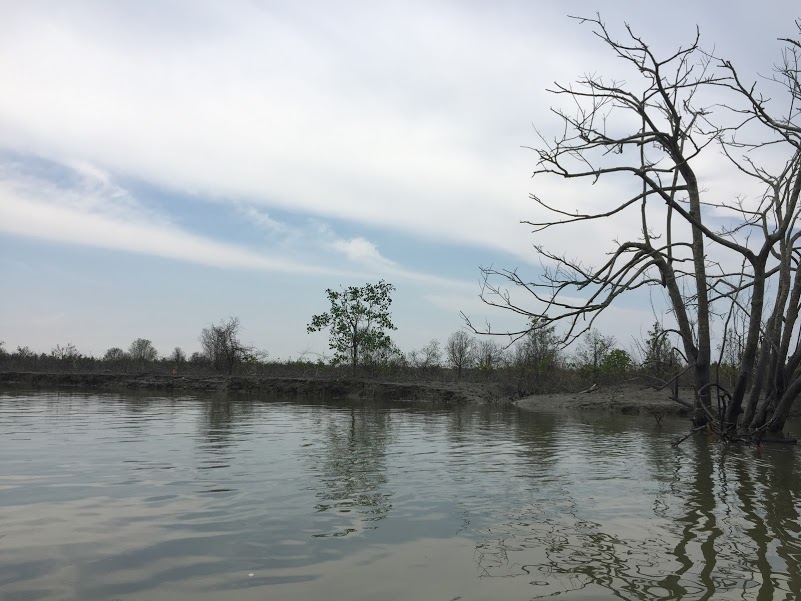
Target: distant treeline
536, 363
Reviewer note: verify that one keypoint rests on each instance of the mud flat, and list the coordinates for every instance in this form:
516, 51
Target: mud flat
628, 399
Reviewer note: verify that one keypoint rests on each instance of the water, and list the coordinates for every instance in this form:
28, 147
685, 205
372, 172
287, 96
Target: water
110, 497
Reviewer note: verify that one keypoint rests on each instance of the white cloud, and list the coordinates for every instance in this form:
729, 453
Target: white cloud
414, 124
92, 210
395, 127
403, 116
361, 251
98, 213
262, 220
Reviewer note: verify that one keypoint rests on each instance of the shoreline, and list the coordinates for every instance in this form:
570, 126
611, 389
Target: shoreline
625, 398
352, 388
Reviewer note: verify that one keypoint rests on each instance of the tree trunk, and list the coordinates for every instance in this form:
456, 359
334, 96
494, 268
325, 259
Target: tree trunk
783, 407
749, 356
702, 360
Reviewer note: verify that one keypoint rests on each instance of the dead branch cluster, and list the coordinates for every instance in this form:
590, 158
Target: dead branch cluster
721, 259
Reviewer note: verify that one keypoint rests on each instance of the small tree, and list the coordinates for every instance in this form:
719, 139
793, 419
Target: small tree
357, 321
222, 347
658, 357
592, 351
198, 358
114, 354
489, 355
384, 357
535, 357
178, 356
142, 351
616, 363
24, 352
539, 348
428, 357
460, 350
64, 353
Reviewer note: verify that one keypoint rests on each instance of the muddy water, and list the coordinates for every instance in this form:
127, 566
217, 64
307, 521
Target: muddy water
109, 497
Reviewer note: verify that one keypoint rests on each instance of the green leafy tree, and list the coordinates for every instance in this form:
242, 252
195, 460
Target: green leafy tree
658, 359
592, 351
536, 357
539, 349
384, 357
616, 363
357, 321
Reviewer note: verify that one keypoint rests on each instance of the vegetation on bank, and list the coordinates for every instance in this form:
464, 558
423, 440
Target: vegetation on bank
534, 364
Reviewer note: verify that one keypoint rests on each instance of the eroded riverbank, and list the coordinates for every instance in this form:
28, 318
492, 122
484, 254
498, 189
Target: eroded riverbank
627, 399
354, 388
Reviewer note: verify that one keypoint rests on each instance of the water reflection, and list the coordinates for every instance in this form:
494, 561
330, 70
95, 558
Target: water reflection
142, 497
347, 463
721, 522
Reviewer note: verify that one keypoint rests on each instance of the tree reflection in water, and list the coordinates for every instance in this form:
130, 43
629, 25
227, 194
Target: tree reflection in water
349, 467
725, 525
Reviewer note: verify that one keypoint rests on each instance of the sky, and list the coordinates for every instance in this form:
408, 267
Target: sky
165, 165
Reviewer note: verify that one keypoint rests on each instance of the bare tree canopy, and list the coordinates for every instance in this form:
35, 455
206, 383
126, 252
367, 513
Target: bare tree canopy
714, 254
142, 351
222, 347
460, 351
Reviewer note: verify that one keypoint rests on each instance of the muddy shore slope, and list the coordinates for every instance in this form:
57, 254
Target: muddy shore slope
627, 399
356, 388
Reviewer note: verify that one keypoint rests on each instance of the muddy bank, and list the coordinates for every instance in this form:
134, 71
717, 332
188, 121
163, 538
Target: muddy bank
355, 388
628, 399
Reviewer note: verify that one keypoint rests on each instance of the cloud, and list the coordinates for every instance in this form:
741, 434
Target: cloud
87, 207
414, 124
407, 117
96, 212
361, 251
262, 220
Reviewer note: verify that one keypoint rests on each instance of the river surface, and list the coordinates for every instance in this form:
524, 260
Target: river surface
121, 497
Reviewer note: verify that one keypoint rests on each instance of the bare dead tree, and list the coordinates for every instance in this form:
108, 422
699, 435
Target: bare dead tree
460, 351
703, 249
222, 346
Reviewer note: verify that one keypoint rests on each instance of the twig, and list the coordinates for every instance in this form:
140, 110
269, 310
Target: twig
678, 441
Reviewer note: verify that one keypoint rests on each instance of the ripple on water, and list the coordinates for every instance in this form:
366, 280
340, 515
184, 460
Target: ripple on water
115, 496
